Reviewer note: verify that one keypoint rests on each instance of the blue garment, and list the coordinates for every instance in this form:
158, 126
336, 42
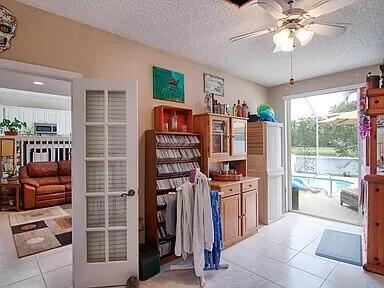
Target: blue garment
212, 258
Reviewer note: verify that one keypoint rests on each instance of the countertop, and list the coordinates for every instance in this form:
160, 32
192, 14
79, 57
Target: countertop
219, 184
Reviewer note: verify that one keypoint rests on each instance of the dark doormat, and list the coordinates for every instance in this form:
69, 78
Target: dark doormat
340, 246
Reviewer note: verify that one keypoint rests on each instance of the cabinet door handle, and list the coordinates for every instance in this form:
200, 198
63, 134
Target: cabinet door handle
230, 189
377, 101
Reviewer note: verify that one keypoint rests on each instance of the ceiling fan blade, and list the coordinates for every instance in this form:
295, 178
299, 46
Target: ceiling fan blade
328, 6
272, 7
329, 30
252, 34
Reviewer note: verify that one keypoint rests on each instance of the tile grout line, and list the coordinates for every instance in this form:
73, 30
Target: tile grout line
252, 272
287, 263
41, 272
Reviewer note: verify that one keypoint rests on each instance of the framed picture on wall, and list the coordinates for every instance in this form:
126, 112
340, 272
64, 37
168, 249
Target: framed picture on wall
168, 85
213, 84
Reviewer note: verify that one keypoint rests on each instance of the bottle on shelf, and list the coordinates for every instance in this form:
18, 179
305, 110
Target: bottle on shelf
239, 109
234, 110
208, 102
245, 109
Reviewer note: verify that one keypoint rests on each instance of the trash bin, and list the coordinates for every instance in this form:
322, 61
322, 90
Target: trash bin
149, 262
295, 198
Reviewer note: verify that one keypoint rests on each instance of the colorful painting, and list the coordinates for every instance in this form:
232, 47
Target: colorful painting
213, 85
168, 85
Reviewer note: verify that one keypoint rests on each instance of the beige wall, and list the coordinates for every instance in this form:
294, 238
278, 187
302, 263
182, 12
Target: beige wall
331, 81
49, 40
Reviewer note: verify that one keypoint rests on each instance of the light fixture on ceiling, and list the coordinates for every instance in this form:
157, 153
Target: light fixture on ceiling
283, 41
304, 35
295, 22
38, 83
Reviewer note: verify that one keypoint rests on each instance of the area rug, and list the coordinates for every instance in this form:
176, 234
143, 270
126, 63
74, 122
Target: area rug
41, 230
340, 246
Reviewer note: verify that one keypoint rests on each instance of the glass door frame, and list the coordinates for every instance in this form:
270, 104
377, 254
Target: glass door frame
287, 139
232, 129
227, 121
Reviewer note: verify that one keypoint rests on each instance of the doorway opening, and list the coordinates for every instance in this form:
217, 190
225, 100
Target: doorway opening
101, 163
325, 156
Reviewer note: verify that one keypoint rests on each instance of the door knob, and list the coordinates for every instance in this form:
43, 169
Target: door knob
130, 193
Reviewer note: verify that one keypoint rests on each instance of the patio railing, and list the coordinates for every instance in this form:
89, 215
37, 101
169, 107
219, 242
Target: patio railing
42, 148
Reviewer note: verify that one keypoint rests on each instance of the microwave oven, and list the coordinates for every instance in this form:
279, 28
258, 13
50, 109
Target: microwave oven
45, 129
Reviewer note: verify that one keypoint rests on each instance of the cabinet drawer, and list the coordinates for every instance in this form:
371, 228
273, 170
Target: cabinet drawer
375, 103
248, 186
230, 190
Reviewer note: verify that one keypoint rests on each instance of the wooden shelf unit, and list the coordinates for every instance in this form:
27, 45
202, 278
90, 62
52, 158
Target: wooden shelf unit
163, 114
373, 235
233, 147
151, 191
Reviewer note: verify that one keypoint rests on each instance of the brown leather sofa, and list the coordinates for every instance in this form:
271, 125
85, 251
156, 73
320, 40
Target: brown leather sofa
46, 184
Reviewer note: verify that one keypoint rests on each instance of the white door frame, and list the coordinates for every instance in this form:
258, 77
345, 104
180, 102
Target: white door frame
40, 72
287, 121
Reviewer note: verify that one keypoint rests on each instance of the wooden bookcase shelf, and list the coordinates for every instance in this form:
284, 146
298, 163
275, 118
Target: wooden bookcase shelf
164, 244
164, 114
373, 234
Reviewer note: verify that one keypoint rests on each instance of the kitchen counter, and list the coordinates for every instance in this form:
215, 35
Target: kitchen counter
221, 184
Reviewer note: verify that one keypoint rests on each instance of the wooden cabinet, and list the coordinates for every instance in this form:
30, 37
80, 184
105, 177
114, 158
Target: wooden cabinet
231, 216
250, 215
224, 139
239, 209
373, 244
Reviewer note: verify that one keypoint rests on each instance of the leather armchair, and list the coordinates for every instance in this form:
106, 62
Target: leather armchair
46, 184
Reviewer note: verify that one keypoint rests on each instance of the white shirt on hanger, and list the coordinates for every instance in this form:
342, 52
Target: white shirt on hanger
194, 224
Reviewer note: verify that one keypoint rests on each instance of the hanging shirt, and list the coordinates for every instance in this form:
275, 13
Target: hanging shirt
184, 220
194, 226
202, 223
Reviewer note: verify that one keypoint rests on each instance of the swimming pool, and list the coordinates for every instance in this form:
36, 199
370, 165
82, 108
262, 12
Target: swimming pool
324, 184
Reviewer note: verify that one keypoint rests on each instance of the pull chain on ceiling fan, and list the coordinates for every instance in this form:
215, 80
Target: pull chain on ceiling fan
297, 23
291, 80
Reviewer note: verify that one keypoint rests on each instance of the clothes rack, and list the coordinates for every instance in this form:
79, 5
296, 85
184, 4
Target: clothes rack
178, 267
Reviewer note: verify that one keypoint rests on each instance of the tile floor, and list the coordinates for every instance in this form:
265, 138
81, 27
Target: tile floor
324, 206
280, 255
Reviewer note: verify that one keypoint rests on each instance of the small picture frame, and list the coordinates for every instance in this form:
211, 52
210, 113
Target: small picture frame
213, 85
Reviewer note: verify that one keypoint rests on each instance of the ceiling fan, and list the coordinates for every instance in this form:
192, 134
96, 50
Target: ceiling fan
297, 23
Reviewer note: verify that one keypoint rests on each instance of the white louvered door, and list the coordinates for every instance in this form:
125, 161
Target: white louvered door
105, 182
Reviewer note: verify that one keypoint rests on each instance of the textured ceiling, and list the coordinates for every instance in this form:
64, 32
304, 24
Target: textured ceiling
199, 30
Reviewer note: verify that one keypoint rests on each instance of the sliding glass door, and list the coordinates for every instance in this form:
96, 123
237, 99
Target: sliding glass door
323, 155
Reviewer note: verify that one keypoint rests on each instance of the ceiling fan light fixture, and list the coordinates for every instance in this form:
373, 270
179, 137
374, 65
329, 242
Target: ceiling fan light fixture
304, 36
282, 37
283, 41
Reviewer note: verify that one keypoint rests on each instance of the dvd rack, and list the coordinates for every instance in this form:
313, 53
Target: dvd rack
170, 156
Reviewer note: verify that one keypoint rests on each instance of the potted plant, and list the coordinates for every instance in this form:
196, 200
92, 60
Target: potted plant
12, 126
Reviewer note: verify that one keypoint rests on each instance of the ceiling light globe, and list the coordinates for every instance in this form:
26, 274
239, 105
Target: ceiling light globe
304, 36
287, 46
281, 38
